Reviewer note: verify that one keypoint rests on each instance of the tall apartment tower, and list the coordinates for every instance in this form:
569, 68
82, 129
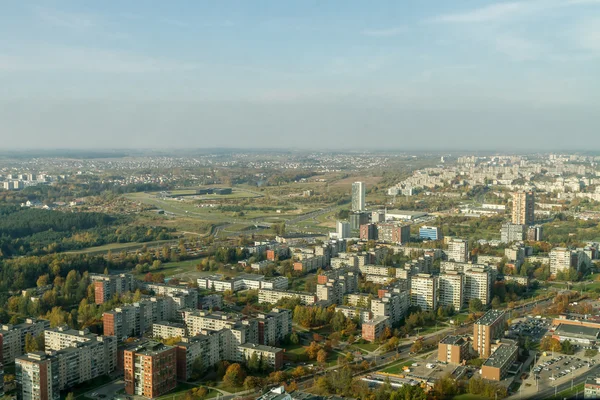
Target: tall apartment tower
423, 291
522, 208
150, 370
358, 196
452, 289
458, 250
486, 330
37, 377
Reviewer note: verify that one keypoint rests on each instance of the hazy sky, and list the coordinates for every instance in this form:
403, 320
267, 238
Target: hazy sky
338, 74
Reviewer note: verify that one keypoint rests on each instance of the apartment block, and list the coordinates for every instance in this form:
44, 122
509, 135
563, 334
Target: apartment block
219, 283
451, 289
458, 250
150, 370
453, 349
496, 367
310, 264
372, 329
486, 330
166, 329
510, 232
523, 208
358, 196
478, 285
208, 346
361, 314
368, 232
393, 233
358, 300
274, 326
273, 296
561, 259
12, 337
393, 304
189, 295
423, 291
211, 302
37, 377
273, 356
106, 286
370, 269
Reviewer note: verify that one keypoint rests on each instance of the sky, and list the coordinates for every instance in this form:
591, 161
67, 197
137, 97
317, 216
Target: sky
339, 74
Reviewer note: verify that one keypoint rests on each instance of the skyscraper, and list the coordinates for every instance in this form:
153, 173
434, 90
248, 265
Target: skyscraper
522, 208
358, 196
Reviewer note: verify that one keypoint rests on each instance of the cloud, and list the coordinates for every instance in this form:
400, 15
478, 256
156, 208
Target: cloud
70, 20
78, 59
384, 32
586, 35
518, 48
483, 14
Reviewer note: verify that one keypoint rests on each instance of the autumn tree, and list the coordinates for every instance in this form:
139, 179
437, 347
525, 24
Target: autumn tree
235, 375
322, 356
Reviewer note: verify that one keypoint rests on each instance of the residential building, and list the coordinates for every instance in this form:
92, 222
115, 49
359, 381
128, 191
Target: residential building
560, 260
496, 367
358, 313
208, 346
12, 337
343, 230
106, 286
453, 349
458, 250
423, 291
523, 205
357, 219
510, 232
272, 296
394, 304
37, 377
274, 326
241, 282
451, 289
368, 232
393, 233
535, 233
358, 196
150, 370
486, 330
372, 329
272, 356
478, 285
430, 233
166, 329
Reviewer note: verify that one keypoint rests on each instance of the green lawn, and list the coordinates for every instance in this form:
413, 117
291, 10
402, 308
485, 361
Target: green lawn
469, 396
295, 352
118, 247
396, 368
366, 346
182, 388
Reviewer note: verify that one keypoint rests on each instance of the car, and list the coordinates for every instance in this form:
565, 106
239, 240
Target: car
552, 378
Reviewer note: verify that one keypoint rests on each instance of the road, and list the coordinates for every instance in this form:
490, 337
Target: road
549, 392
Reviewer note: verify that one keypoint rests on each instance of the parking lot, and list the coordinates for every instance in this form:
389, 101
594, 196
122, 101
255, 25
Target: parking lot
534, 328
560, 368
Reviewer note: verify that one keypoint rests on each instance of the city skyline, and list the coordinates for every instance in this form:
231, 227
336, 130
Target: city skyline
237, 74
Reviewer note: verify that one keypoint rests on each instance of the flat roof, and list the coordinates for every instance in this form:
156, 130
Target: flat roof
406, 212
151, 348
452, 339
501, 356
578, 331
261, 347
490, 317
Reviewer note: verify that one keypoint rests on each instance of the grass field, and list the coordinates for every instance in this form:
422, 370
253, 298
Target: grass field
366, 346
181, 390
117, 247
469, 396
396, 368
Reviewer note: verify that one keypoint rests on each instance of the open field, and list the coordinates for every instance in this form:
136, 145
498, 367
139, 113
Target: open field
117, 247
396, 368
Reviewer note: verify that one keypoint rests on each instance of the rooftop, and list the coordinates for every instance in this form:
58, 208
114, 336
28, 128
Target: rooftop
490, 317
151, 348
260, 347
501, 356
452, 339
582, 332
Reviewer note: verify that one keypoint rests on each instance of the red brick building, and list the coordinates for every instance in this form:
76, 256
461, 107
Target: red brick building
150, 370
